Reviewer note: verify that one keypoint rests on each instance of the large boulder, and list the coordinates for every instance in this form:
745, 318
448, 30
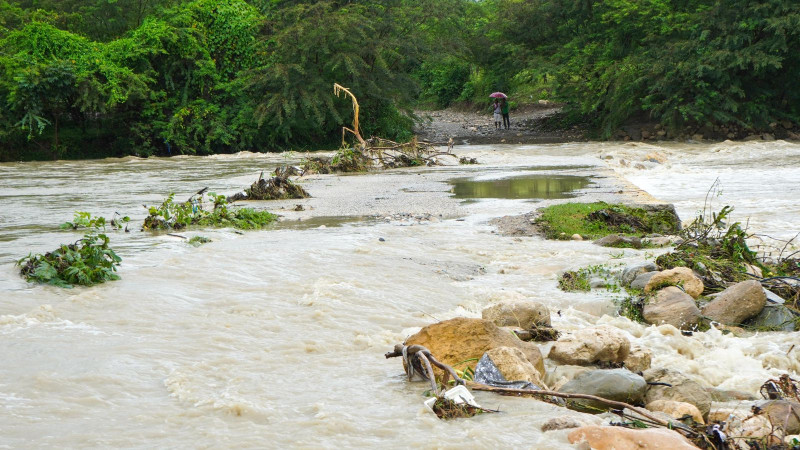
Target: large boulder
672, 306
602, 344
677, 410
737, 303
782, 413
774, 317
514, 365
681, 388
523, 314
456, 340
619, 385
619, 438
630, 273
682, 276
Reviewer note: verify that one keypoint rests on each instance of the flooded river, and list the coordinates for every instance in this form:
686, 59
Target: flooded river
275, 338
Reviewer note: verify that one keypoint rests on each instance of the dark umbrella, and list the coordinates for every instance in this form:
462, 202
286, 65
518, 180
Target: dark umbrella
498, 95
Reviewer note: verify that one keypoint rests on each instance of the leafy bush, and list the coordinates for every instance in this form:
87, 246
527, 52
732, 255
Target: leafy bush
175, 216
87, 262
599, 219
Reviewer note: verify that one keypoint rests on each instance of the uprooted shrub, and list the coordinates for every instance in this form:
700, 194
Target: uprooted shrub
175, 216
278, 187
373, 153
86, 262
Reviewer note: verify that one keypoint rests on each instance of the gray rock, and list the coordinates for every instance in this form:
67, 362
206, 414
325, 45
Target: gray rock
598, 282
672, 306
630, 273
620, 385
774, 317
616, 240
641, 280
682, 389
773, 297
784, 414
737, 303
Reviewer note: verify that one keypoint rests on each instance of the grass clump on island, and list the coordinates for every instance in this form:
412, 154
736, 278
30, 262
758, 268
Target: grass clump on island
595, 220
177, 216
88, 261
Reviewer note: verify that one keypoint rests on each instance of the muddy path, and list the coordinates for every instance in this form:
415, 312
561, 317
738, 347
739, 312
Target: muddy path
530, 124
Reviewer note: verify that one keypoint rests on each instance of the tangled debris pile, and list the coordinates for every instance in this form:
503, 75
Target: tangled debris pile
376, 152
277, 187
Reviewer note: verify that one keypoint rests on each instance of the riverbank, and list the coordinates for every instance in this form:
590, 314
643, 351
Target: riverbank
540, 124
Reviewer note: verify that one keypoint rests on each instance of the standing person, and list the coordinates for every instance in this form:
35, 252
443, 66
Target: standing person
497, 114
504, 111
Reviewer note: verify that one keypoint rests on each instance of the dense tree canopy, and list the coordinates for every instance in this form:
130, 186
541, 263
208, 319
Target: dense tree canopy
93, 78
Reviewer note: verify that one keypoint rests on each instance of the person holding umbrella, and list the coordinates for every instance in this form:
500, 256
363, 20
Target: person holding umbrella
498, 108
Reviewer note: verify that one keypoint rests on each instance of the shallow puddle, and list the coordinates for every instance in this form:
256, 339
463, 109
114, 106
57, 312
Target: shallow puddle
525, 187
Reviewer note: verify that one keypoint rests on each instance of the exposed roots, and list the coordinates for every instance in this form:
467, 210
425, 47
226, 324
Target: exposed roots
278, 187
376, 152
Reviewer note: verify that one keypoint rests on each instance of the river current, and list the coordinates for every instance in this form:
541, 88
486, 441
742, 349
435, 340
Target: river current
275, 338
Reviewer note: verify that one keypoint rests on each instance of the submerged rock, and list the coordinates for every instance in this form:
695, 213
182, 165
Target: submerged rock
566, 422
619, 438
456, 340
737, 303
619, 385
523, 314
682, 276
681, 389
602, 344
672, 306
722, 395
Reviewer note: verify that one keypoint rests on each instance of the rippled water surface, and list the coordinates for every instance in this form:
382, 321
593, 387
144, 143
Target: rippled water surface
275, 338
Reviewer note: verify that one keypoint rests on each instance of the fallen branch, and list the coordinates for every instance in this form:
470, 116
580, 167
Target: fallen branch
535, 392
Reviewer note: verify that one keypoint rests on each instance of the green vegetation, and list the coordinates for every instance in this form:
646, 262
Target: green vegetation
97, 78
197, 241
176, 216
84, 219
594, 220
632, 307
580, 280
87, 262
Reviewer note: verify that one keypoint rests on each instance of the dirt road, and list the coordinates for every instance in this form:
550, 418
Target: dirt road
529, 125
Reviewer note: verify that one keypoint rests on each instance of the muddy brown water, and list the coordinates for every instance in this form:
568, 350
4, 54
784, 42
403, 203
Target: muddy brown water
275, 338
